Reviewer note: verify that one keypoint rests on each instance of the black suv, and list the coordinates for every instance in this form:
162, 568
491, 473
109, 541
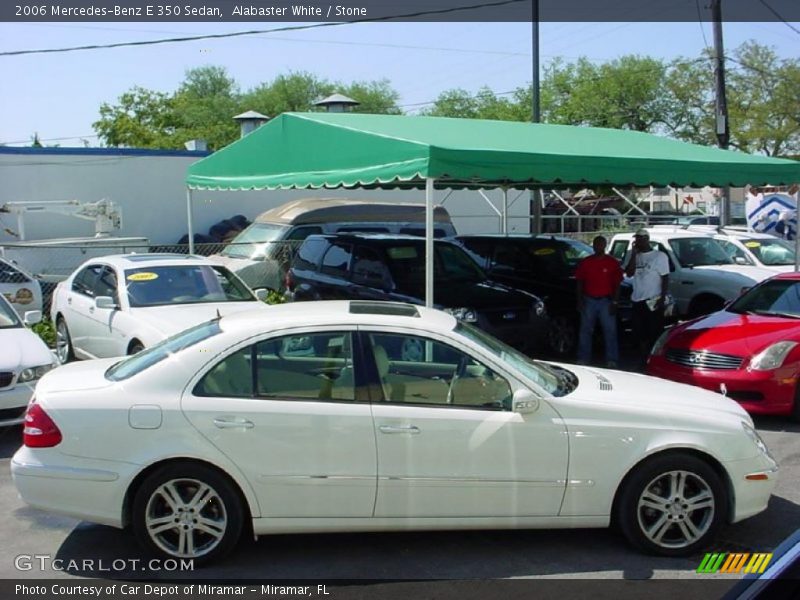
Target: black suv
542, 265
392, 267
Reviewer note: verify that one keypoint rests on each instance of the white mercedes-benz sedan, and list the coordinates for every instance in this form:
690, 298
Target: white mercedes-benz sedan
118, 305
306, 418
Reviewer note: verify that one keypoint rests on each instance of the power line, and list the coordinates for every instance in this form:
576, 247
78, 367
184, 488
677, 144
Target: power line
258, 31
700, 23
777, 14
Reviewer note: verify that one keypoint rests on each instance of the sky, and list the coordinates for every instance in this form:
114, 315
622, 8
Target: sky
57, 96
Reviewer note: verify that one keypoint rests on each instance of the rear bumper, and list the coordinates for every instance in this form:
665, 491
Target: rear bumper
90, 490
758, 392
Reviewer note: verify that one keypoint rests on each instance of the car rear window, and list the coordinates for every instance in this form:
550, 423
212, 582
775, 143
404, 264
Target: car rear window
147, 358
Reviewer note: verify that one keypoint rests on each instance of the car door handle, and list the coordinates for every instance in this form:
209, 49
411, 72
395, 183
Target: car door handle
687, 282
410, 429
222, 423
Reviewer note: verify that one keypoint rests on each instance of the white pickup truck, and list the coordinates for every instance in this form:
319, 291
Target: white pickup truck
703, 277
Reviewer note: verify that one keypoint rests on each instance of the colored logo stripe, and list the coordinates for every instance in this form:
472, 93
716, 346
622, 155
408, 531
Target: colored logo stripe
734, 562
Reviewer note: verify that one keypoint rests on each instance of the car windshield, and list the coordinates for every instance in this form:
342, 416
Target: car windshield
557, 382
575, 252
254, 241
699, 252
778, 297
407, 265
771, 252
155, 354
8, 316
183, 284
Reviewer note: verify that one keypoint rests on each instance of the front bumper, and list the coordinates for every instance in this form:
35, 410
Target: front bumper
758, 392
753, 482
13, 402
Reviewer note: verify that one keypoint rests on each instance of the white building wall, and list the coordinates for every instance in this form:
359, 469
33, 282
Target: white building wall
149, 187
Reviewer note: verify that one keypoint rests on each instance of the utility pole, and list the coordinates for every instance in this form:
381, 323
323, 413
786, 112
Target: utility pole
721, 127
535, 199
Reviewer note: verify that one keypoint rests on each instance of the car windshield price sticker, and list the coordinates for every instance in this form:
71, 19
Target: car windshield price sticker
147, 276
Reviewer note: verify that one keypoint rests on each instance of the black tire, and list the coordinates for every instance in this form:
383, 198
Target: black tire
562, 336
135, 347
795, 414
64, 350
663, 521
214, 525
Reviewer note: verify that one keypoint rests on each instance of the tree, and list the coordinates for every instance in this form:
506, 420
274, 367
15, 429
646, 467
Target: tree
208, 98
141, 119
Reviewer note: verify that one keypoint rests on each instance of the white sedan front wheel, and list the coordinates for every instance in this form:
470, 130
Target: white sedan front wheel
64, 350
672, 505
188, 511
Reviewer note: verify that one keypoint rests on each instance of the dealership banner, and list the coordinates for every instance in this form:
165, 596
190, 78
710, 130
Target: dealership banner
287, 11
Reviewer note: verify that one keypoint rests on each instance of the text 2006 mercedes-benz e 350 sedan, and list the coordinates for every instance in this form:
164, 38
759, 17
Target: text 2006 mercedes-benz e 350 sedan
308, 418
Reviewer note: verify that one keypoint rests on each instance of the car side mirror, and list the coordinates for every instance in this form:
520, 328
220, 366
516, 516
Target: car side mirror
105, 302
31, 317
524, 402
261, 294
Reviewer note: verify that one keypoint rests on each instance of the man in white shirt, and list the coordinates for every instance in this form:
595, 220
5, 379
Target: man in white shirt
649, 269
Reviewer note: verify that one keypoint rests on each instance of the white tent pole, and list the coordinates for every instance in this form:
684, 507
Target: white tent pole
505, 211
429, 241
190, 219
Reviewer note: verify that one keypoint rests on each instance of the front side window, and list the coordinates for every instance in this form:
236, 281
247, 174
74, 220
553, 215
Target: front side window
183, 284
369, 269
699, 252
316, 366
8, 316
84, 281
106, 284
417, 370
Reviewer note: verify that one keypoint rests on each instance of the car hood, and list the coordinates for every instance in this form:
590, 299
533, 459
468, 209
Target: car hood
631, 391
747, 274
485, 294
21, 349
171, 319
731, 333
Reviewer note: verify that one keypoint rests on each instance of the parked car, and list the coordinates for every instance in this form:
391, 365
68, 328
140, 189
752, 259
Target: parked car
392, 267
758, 249
19, 288
543, 265
262, 252
294, 419
117, 305
750, 350
23, 360
703, 277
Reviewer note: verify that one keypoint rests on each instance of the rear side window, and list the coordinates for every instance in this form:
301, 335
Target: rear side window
619, 248
310, 253
337, 260
438, 232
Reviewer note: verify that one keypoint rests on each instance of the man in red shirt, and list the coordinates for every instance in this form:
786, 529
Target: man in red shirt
598, 277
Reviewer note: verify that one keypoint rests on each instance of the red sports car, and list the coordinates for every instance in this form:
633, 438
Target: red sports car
750, 350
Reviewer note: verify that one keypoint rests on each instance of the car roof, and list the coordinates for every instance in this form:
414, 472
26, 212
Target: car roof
133, 261
377, 237
338, 312
668, 232
308, 211
522, 237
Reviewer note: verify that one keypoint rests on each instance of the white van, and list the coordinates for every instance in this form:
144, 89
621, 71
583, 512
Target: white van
261, 253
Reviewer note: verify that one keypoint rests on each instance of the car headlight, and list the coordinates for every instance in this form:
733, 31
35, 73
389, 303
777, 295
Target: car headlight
658, 347
772, 356
755, 438
468, 315
33, 373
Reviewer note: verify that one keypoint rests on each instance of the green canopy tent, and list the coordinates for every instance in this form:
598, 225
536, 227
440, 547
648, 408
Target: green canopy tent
330, 150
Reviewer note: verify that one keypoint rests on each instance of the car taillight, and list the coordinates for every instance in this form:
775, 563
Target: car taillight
40, 431
288, 281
